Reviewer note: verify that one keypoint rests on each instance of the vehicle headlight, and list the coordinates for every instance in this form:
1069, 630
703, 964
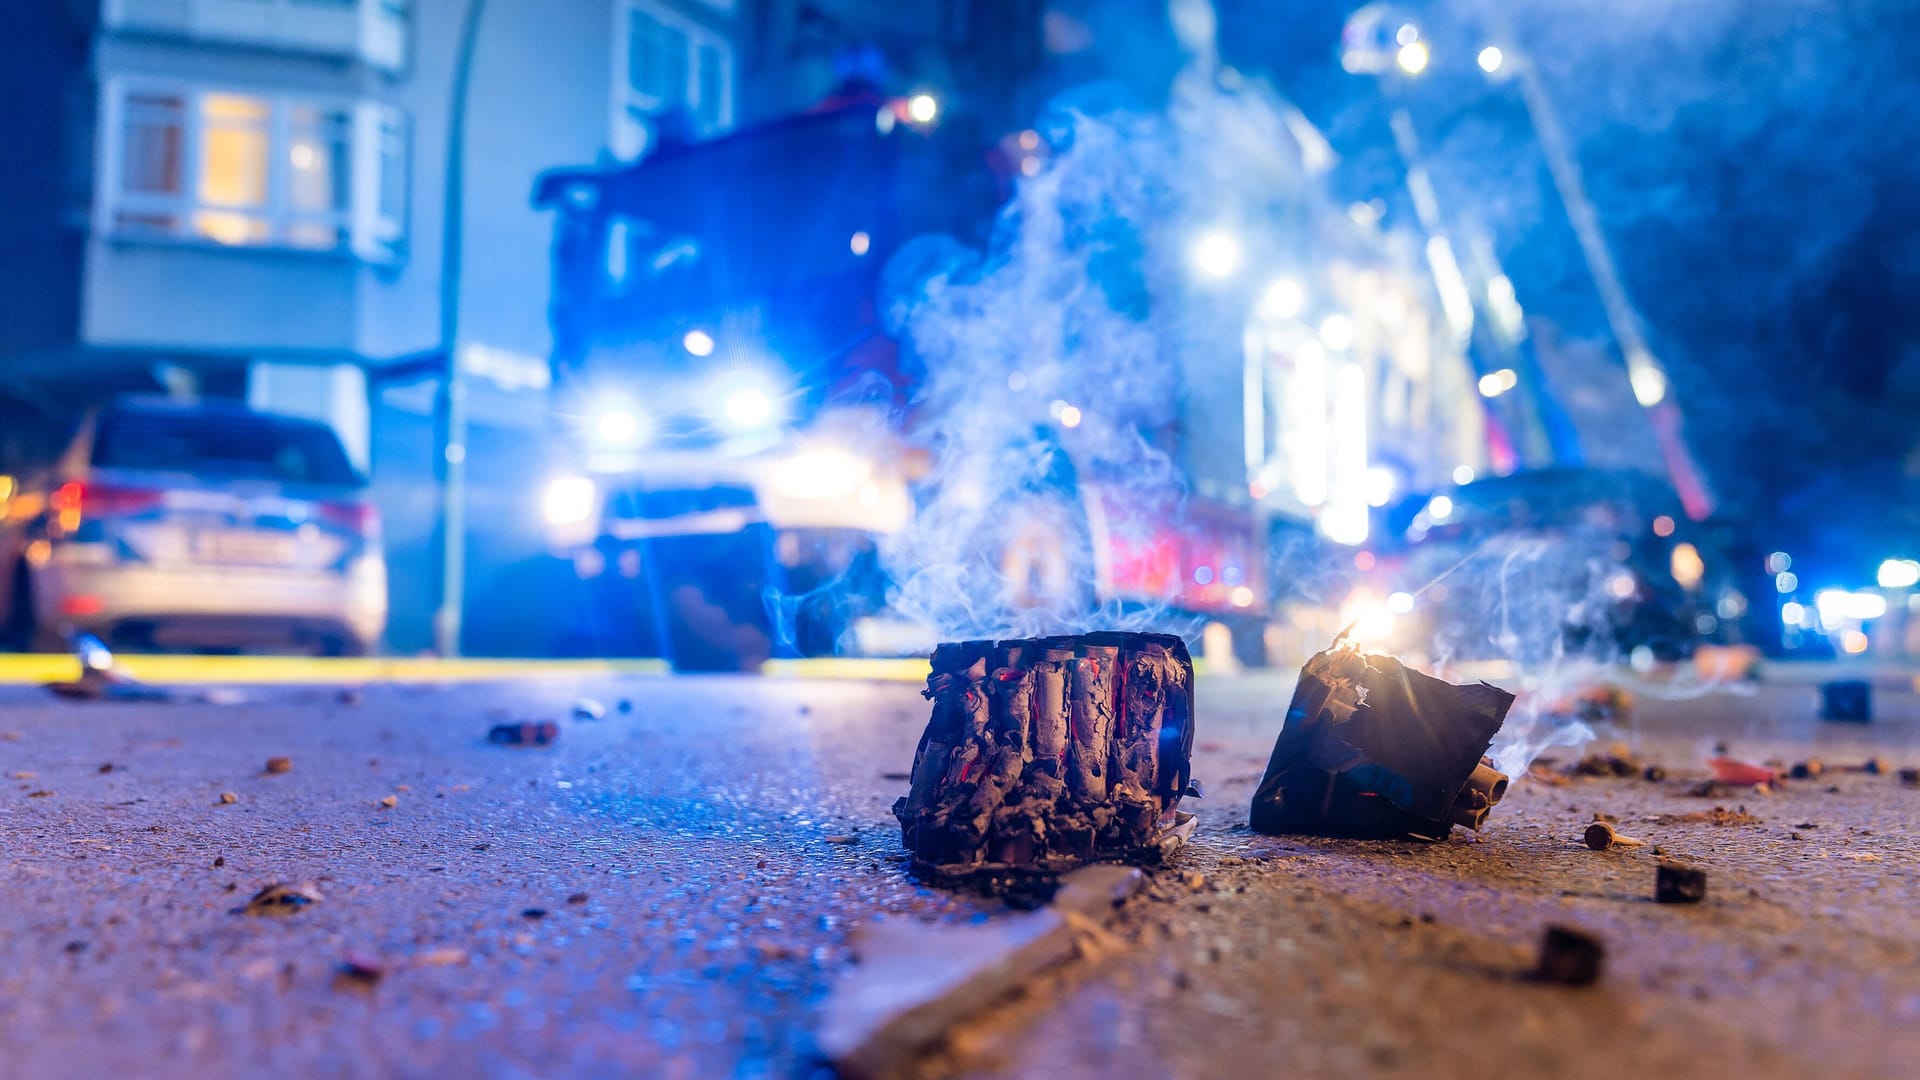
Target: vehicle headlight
747, 403
618, 425
567, 500
821, 474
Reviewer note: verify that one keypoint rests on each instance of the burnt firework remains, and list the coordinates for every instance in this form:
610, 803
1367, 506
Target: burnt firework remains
1373, 748
1044, 753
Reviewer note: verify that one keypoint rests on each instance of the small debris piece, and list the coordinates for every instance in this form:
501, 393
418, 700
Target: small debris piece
1846, 701
1806, 770
524, 733
388, 802
228, 798
534, 912
1570, 957
1194, 880
219, 861
43, 793
1601, 835
588, 709
1677, 884
445, 956
76, 947
350, 696
279, 764
1653, 774
1373, 748
22, 774
282, 899
106, 767
358, 971
1910, 776
1873, 766
1617, 761
577, 898
914, 981
626, 706
842, 838
1740, 773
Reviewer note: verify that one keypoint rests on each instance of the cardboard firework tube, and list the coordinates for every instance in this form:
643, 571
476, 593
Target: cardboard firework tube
1090, 710
1042, 754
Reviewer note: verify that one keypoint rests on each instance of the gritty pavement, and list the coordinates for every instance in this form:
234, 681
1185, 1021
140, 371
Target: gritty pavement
668, 890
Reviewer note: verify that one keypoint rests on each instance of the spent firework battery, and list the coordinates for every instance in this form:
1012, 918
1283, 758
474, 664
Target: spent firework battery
1371, 747
1044, 753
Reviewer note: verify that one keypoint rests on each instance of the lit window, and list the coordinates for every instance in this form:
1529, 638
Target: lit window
669, 64
250, 170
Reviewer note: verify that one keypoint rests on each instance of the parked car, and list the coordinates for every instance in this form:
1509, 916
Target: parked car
199, 524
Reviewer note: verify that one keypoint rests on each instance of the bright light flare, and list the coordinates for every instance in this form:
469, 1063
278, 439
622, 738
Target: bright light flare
1215, 255
1336, 332
1285, 298
748, 408
1399, 603
1439, 509
1070, 416
923, 108
1649, 386
1412, 57
1379, 486
1495, 383
567, 500
698, 343
1622, 586
1899, 574
1463, 475
860, 243
1687, 566
1490, 59
617, 426
1838, 606
1854, 642
822, 473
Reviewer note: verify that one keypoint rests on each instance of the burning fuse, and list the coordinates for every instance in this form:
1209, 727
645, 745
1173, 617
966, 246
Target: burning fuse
1045, 753
1373, 748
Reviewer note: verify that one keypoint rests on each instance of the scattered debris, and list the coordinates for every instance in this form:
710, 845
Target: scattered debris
524, 733
358, 971
445, 956
76, 947
1617, 761
1910, 776
842, 838
913, 981
350, 696
22, 774
1806, 770
388, 802
588, 709
1873, 766
577, 898
1740, 773
43, 793
1044, 754
1653, 774
105, 767
1194, 880
219, 861
1373, 748
1570, 957
279, 764
534, 912
282, 899
1719, 815
1677, 884
228, 798
1846, 701
1601, 835
1599, 703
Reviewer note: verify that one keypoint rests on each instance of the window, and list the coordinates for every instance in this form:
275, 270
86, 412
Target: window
666, 64
246, 170
373, 32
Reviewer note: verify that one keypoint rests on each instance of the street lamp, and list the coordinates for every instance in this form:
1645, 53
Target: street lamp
453, 390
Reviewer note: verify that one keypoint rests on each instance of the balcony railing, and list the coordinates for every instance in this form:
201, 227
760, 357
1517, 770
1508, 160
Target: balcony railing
373, 32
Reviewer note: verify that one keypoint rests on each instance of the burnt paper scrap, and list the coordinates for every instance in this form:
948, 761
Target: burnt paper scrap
1373, 748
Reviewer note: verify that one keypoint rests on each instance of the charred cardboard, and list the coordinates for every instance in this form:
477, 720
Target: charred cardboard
1372, 748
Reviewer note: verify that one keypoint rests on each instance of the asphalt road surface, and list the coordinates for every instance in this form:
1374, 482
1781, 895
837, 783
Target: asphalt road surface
668, 890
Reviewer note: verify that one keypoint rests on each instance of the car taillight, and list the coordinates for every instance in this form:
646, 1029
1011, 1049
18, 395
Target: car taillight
360, 518
75, 500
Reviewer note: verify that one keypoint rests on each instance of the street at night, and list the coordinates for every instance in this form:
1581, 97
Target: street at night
669, 890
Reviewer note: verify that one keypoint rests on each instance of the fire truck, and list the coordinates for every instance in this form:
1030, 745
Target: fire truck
735, 400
